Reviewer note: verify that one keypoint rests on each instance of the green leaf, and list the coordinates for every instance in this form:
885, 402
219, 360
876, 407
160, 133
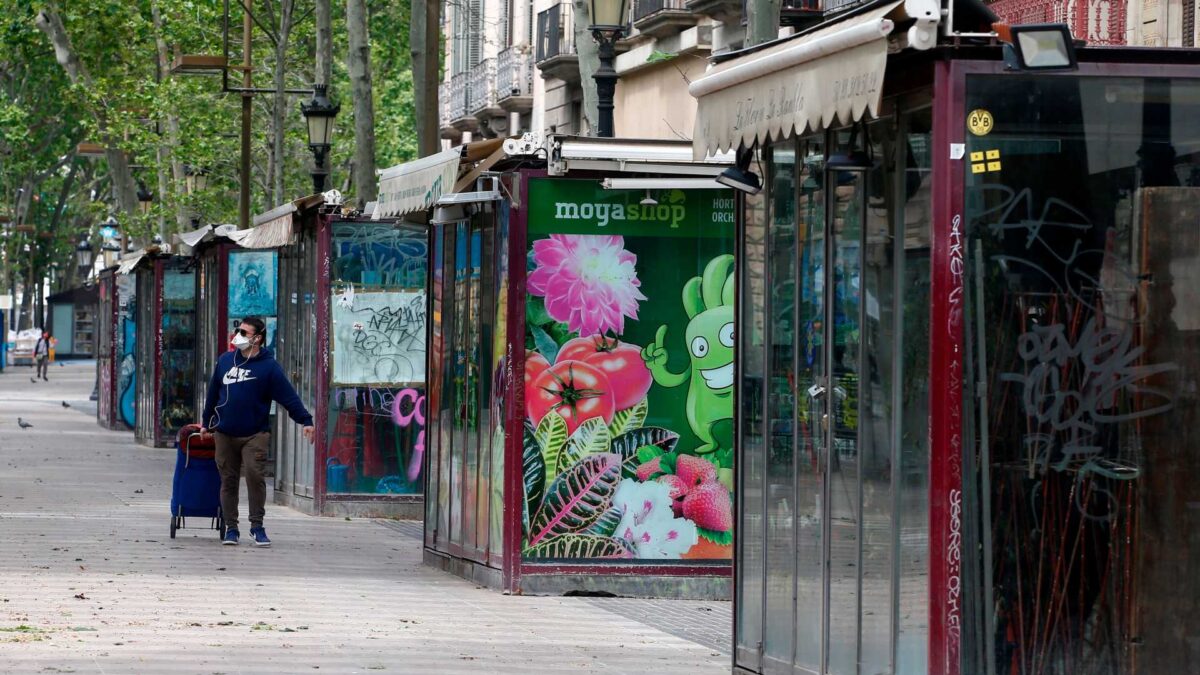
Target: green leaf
606, 524
534, 471
546, 345
628, 445
550, 435
577, 498
648, 452
535, 311
561, 335
629, 418
578, 546
590, 438
719, 538
657, 56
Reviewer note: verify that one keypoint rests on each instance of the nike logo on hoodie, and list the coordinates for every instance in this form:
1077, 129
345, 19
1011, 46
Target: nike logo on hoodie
235, 375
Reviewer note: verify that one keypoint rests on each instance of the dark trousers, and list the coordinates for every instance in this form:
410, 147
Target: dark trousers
43, 364
237, 455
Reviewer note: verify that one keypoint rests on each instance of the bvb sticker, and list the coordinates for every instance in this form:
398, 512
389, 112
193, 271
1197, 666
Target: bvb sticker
980, 122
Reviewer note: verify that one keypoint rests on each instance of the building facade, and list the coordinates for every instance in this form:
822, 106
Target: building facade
512, 65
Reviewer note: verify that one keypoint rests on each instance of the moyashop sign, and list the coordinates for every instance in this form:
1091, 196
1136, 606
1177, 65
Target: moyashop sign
583, 206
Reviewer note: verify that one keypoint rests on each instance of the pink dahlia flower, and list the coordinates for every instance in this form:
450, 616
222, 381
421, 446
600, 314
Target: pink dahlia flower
589, 281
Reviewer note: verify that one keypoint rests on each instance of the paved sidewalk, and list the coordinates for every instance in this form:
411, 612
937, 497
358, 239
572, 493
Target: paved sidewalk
90, 581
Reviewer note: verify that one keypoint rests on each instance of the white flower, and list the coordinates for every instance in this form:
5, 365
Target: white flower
648, 524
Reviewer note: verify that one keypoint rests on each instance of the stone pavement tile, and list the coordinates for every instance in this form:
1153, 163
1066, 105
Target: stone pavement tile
90, 581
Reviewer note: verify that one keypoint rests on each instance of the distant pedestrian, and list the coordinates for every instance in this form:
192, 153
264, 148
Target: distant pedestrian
237, 412
41, 355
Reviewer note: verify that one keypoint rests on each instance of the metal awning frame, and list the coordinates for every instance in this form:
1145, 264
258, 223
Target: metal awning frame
624, 155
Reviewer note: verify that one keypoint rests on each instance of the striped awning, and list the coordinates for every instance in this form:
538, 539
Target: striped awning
834, 73
416, 185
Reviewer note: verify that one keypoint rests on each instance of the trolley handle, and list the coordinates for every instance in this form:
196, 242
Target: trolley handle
187, 448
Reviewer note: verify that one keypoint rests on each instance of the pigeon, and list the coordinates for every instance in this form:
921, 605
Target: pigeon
66, 405
33, 380
23, 424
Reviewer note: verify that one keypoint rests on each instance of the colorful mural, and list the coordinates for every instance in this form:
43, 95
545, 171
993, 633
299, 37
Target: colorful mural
253, 286
628, 449
252, 283
126, 350
377, 397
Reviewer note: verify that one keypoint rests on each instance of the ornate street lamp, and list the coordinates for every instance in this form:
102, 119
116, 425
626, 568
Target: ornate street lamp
195, 179
319, 114
145, 198
608, 25
85, 254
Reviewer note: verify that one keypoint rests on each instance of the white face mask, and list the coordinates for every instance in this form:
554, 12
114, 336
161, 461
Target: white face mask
241, 341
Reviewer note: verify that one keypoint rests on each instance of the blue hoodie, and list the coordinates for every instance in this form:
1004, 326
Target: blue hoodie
241, 391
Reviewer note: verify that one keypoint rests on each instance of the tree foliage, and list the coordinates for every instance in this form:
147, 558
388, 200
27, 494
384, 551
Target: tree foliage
129, 103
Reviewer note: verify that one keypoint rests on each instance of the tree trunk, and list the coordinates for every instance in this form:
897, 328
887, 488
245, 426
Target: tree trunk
279, 103
763, 23
359, 65
589, 63
167, 150
124, 188
324, 43
423, 32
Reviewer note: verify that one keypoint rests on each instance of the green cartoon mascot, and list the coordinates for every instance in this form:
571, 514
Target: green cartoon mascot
708, 301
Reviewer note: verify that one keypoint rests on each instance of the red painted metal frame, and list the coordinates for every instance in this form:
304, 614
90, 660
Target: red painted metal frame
321, 303
514, 411
946, 376
159, 295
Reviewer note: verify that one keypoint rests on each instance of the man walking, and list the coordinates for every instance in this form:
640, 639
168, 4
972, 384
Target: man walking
41, 355
237, 412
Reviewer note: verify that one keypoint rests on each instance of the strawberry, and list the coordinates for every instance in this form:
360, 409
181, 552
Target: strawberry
678, 487
709, 507
694, 470
650, 469
679, 490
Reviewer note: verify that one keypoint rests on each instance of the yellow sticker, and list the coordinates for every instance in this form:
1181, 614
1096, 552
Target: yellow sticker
976, 156
993, 154
993, 166
978, 168
979, 122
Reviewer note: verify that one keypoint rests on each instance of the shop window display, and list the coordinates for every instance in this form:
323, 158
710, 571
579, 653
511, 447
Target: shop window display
377, 403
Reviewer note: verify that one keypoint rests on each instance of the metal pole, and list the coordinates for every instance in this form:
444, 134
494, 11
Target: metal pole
320, 172
244, 197
606, 81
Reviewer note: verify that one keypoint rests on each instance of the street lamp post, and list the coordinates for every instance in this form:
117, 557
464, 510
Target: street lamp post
145, 198
319, 114
195, 181
608, 25
85, 255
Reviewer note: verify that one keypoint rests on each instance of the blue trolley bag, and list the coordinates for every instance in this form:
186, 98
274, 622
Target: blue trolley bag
196, 487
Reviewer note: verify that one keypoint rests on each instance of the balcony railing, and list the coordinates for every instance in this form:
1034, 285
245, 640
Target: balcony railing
555, 32
646, 8
459, 93
514, 73
444, 105
482, 87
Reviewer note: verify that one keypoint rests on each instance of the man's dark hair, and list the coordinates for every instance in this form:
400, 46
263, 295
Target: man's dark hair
260, 327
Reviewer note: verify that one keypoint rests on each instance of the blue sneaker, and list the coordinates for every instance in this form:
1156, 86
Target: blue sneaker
231, 538
260, 536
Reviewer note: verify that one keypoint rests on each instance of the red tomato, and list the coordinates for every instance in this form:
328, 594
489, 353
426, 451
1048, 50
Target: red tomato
535, 364
572, 389
621, 362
